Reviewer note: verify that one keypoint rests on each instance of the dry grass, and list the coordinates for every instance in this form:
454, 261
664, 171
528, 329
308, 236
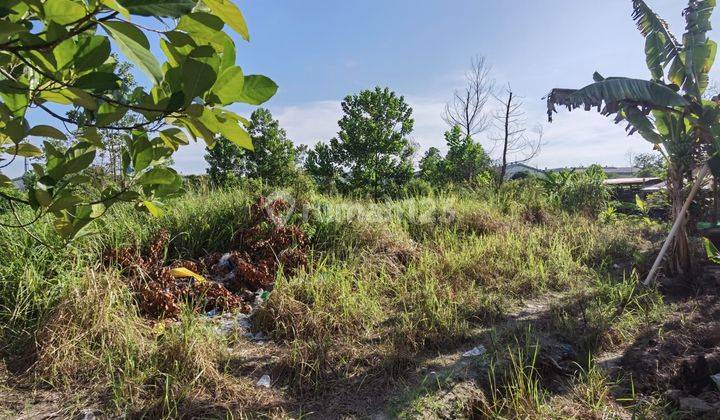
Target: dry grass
388, 283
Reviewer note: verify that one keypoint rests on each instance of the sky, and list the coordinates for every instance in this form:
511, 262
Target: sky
319, 51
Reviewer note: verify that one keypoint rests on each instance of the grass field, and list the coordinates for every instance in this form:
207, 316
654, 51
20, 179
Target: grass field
376, 323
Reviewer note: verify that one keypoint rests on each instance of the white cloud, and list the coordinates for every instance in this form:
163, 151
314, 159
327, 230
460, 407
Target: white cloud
310, 122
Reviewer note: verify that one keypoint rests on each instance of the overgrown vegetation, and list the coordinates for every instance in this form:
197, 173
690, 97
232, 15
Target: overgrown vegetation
387, 284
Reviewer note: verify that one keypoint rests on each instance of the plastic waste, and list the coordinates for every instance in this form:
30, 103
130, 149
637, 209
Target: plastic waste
477, 351
264, 381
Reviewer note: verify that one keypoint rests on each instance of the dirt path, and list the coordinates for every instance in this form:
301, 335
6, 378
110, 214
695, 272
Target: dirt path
452, 377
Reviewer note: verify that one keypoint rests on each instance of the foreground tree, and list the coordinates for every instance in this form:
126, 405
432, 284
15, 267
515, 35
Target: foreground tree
372, 150
55, 54
668, 110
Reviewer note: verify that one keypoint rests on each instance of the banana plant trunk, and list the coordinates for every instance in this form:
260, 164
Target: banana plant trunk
680, 261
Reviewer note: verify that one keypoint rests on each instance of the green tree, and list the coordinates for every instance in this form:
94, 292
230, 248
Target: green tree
432, 167
55, 54
273, 157
320, 165
650, 165
465, 158
224, 162
372, 148
669, 110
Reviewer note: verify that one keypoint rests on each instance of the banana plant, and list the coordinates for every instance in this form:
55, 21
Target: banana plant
670, 109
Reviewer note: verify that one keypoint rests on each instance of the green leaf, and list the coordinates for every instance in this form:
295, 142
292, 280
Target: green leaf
158, 176
615, 92
47, 131
64, 202
135, 45
114, 5
257, 89
75, 160
108, 114
173, 138
711, 251
227, 11
5, 181
15, 97
100, 81
205, 28
661, 47
8, 29
153, 208
199, 72
229, 86
71, 95
64, 53
25, 150
92, 51
159, 8
64, 12
232, 130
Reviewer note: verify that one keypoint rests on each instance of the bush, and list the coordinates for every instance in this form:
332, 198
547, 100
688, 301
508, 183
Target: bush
418, 188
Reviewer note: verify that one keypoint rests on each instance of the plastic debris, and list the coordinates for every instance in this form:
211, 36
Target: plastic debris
264, 381
477, 351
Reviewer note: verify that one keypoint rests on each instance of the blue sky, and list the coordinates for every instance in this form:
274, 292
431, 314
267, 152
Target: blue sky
319, 51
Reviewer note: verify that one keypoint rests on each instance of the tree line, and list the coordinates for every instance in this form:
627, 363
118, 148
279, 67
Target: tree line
372, 153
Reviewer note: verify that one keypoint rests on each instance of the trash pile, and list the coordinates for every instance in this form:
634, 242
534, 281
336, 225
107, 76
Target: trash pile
220, 281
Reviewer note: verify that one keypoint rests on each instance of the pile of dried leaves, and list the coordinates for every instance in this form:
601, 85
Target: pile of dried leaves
219, 281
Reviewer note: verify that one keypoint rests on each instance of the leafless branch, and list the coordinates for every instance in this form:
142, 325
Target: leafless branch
511, 132
467, 108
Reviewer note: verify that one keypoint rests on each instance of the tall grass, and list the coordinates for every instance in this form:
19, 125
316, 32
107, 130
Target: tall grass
386, 281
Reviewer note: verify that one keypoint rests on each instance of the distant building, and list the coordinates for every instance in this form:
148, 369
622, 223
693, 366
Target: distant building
620, 172
519, 170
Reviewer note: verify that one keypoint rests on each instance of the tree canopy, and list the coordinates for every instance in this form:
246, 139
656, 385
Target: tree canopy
372, 154
56, 54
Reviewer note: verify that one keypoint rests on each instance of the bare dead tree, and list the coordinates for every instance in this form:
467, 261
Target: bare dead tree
516, 144
467, 108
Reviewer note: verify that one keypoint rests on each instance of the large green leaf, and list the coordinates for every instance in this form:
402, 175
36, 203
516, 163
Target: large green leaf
205, 28
229, 86
99, 81
8, 29
158, 8
611, 91
114, 5
70, 95
135, 45
158, 176
47, 131
92, 51
661, 47
64, 12
15, 96
5, 181
24, 150
227, 11
256, 90
64, 53
199, 72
